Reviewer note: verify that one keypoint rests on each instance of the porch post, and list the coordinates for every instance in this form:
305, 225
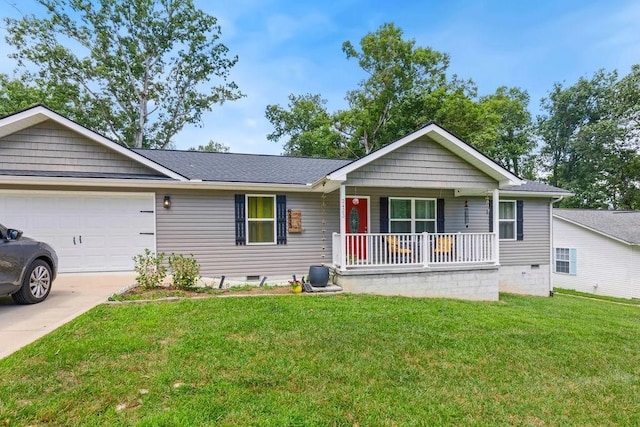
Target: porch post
343, 226
496, 224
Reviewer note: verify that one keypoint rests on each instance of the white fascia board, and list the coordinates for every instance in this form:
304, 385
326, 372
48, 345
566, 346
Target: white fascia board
147, 184
448, 141
533, 194
39, 114
586, 227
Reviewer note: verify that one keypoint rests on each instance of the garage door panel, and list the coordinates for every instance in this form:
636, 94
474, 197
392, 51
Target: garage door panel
89, 231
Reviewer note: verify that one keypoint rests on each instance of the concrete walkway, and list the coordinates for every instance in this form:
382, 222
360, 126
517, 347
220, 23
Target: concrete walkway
71, 295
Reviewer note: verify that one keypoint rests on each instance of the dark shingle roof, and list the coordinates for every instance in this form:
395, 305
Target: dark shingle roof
623, 225
268, 169
255, 168
538, 187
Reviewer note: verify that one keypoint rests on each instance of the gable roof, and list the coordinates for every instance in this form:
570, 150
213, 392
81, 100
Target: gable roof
245, 168
623, 226
447, 140
32, 116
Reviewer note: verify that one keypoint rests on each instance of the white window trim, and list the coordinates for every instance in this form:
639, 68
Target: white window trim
248, 220
413, 218
514, 221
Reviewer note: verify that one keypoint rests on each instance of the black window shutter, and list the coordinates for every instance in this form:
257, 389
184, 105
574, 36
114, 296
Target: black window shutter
241, 235
384, 214
440, 216
281, 219
490, 216
519, 220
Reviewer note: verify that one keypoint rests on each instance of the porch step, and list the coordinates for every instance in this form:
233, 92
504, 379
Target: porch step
329, 288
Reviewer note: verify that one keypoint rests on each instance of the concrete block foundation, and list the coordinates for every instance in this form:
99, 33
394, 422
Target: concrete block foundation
478, 284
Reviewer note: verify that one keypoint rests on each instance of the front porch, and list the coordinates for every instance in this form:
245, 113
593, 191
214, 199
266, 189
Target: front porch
353, 251
441, 265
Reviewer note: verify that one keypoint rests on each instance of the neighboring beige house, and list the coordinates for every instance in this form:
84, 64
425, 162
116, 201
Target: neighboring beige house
417, 217
597, 251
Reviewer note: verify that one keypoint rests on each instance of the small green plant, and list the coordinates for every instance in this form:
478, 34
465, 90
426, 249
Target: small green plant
185, 271
151, 271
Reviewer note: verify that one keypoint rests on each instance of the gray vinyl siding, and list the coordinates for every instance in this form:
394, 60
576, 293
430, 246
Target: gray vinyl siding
453, 207
202, 223
49, 146
421, 164
535, 246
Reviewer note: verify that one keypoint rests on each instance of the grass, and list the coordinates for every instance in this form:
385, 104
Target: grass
140, 294
596, 296
332, 361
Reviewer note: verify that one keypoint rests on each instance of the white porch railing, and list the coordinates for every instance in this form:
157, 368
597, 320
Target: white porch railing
421, 250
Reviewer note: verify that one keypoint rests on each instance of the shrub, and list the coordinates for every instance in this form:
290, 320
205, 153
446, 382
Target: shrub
185, 271
150, 270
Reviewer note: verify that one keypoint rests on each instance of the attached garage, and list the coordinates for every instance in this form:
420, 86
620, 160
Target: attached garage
90, 231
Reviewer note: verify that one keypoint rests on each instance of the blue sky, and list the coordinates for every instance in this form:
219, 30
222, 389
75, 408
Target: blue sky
287, 46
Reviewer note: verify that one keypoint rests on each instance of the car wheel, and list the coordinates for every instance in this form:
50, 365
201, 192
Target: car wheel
36, 284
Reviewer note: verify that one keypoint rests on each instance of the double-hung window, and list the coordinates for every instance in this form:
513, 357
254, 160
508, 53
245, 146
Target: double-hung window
562, 260
261, 219
565, 261
412, 215
507, 220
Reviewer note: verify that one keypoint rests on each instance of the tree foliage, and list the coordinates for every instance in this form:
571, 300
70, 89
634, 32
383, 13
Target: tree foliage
212, 147
590, 140
511, 138
406, 87
19, 93
308, 127
144, 69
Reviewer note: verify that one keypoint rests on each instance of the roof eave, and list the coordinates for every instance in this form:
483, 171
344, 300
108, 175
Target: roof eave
516, 193
147, 183
602, 233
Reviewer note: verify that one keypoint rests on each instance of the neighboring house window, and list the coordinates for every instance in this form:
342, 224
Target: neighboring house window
565, 261
412, 215
261, 219
562, 260
507, 218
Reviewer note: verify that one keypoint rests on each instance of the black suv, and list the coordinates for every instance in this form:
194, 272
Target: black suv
27, 267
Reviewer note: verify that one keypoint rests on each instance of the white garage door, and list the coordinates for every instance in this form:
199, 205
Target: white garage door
90, 231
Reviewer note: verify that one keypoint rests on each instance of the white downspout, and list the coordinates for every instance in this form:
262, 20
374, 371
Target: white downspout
496, 224
551, 242
343, 227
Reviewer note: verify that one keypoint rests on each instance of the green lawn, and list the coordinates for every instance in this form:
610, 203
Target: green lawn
333, 360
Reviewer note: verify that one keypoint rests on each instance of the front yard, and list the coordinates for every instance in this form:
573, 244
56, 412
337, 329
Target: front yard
333, 360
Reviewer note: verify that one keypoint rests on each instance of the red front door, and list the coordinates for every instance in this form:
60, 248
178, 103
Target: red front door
357, 221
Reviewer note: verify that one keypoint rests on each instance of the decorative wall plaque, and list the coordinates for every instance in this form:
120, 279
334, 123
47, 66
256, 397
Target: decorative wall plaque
295, 221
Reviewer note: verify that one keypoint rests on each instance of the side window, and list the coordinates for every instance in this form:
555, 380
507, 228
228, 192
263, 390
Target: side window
261, 219
565, 261
507, 219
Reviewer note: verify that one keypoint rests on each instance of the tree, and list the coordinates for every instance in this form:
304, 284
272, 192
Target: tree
19, 93
407, 86
513, 141
590, 140
397, 70
212, 147
308, 127
145, 66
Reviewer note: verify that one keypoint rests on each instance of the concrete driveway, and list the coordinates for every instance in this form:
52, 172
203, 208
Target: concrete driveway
71, 295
